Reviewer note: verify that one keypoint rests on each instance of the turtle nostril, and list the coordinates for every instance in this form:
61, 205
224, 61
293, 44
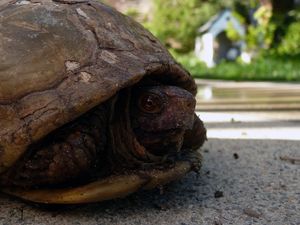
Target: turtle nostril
190, 104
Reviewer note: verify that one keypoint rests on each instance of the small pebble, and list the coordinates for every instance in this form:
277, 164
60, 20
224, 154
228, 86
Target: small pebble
219, 194
217, 222
252, 213
236, 156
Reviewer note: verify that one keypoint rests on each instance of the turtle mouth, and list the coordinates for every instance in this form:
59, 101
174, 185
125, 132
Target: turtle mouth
152, 141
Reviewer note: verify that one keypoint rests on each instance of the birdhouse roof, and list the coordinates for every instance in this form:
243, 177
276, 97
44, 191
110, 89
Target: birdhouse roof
219, 23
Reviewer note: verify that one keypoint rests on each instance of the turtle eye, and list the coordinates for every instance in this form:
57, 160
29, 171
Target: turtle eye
150, 103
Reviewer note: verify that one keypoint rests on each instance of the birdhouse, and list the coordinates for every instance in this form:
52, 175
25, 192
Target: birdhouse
213, 44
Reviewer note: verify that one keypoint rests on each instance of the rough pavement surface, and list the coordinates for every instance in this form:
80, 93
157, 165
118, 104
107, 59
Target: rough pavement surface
241, 182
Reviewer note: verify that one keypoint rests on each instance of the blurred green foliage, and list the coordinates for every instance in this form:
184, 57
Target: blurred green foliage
266, 66
231, 32
261, 35
290, 44
132, 12
175, 22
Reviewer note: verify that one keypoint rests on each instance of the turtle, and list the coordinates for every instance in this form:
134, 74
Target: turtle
92, 106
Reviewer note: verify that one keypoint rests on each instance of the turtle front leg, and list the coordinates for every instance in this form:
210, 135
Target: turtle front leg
195, 138
72, 153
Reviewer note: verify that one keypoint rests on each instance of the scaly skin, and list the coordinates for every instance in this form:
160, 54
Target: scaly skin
70, 154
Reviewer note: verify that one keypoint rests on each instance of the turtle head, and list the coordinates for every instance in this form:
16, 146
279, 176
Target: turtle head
160, 116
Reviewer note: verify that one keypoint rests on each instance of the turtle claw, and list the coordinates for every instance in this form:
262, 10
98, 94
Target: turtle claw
194, 158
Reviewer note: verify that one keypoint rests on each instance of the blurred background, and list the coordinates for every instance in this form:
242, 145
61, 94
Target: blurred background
229, 39
228, 46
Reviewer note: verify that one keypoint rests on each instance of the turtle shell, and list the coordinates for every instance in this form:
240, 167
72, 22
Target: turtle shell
61, 58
